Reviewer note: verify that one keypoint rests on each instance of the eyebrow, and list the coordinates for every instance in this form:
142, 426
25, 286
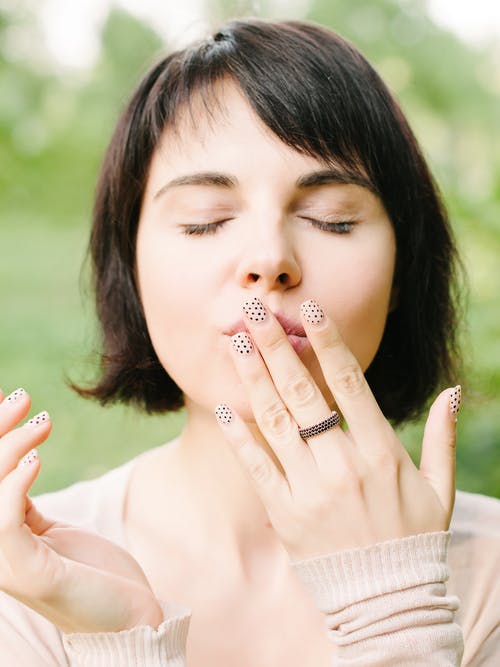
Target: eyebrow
202, 178
331, 176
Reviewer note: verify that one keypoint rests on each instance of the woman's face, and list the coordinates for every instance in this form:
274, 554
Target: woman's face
230, 212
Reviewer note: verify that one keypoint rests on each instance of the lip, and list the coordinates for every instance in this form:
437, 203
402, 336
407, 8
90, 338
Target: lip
294, 330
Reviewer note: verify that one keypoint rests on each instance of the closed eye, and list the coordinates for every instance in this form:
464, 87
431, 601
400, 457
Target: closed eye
344, 227
203, 228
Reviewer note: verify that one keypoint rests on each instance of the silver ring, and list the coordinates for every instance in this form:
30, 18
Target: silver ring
320, 427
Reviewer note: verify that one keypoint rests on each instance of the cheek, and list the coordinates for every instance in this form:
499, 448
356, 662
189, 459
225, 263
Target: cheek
174, 289
358, 301
169, 294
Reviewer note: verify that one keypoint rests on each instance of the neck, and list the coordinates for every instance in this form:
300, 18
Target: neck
223, 506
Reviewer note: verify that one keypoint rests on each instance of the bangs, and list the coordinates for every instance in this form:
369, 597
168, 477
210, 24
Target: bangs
305, 109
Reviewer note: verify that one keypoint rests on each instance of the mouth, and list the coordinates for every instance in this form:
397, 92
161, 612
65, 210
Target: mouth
294, 331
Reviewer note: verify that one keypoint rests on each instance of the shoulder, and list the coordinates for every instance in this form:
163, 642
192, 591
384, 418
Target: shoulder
471, 506
94, 504
474, 560
475, 528
476, 514
474, 555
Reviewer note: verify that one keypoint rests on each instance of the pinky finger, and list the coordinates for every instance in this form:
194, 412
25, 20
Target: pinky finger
270, 485
30, 460
437, 463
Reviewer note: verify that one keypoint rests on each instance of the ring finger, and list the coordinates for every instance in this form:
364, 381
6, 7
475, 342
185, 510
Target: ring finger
294, 383
278, 426
272, 417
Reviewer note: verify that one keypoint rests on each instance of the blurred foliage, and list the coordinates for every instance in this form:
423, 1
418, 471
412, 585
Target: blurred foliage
54, 127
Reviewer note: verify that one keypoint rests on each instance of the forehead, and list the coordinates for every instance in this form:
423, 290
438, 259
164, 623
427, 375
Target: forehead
219, 131
219, 116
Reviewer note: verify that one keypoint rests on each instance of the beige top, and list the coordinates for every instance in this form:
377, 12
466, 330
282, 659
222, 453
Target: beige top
384, 605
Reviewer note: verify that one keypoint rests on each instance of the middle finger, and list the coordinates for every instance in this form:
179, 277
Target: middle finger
293, 381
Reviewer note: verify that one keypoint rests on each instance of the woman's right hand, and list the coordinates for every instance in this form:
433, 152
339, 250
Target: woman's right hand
78, 580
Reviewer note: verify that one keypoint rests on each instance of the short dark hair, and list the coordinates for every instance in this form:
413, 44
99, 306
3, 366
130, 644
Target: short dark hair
319, 95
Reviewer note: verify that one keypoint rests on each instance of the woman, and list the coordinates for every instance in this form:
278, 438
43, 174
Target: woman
266, 236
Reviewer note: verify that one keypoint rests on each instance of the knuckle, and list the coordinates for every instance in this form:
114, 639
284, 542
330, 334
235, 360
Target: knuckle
277, 421
328, 339
386, 463
347, 484
260, 471
299, 390
6, 526
351, 380
317, 505
273, 341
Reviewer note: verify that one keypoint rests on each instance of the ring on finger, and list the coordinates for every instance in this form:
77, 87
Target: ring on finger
320, 427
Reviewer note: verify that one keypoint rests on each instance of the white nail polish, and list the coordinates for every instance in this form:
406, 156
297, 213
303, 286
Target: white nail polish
255, 310
455, 400
30, 457
16, 395
242, 343
224, 414
38, 419
312, 312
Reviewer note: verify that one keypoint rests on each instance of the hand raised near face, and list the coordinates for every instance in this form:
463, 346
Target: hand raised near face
79, 581
341, 489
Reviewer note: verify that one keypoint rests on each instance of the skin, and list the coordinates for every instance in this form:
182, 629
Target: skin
268, 248
254, 485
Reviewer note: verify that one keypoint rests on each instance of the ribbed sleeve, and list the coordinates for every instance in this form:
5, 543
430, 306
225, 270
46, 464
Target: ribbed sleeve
386, 604
144, 646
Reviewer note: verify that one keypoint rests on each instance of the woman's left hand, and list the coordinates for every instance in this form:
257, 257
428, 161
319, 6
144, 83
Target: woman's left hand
341, 490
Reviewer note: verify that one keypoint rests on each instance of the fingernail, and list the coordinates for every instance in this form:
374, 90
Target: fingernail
242, 343
312, 311
30, 457
16, 395
255, 310
38, 419
455, 400
224, 413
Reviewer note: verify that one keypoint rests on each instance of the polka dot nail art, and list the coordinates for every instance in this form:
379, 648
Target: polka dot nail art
38, 419
30, 457
242, 343
16, 395
455, 400
224, 414
312, 312
254, 310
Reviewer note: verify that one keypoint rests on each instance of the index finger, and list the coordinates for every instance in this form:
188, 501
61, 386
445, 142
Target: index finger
344, 376
13, 408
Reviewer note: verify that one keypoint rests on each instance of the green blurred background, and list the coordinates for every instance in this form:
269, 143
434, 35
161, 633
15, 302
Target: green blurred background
54, 127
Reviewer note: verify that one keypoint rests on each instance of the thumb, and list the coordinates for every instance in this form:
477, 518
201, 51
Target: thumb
437, 462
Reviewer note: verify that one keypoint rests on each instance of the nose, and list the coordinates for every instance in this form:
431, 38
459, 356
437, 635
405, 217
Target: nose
269, 264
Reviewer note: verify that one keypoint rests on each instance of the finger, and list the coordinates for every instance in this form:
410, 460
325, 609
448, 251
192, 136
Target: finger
437, 462
13, 408
272, 417
18, 442
346, 380
271, 487
294, 383
16, 540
